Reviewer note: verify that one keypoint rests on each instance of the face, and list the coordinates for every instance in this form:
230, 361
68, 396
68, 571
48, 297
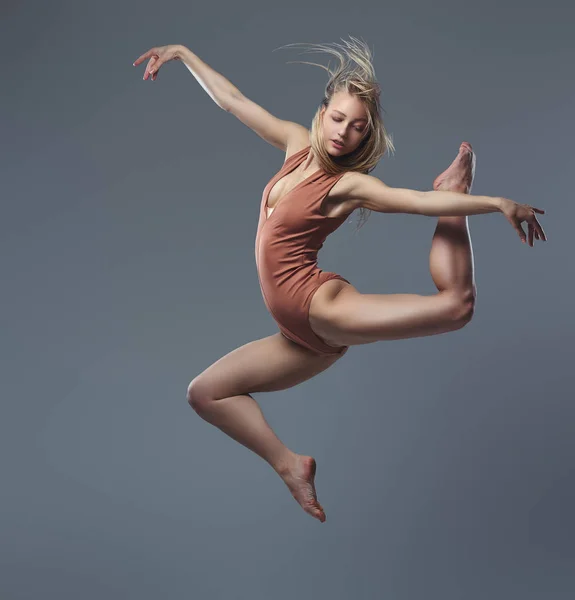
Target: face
345, 120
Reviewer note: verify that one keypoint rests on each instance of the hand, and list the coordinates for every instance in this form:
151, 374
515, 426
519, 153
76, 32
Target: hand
517, 213
158, 56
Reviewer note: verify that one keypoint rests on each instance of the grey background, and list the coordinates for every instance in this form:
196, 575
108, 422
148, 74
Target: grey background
129, 212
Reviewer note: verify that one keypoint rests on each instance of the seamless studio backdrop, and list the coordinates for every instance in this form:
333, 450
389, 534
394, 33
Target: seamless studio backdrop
129, 210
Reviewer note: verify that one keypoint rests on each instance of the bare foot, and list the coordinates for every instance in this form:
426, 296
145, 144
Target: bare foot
458, 177
299, 478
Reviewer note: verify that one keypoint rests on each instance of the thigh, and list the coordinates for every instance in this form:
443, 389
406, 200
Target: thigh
269, 364
352, 318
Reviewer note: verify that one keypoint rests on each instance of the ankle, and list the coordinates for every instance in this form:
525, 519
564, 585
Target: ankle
284, 463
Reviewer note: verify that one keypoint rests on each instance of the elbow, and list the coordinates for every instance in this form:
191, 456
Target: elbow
412, 202
421, 204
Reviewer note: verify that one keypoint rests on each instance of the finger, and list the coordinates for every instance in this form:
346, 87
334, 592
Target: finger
530, 230
519, 230
156, 67
542, 212
149, 67
540, 231
143, 57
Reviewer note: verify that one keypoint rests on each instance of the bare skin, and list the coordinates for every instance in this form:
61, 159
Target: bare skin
339, 313
222, 396
222, 393
342, 316
458, 177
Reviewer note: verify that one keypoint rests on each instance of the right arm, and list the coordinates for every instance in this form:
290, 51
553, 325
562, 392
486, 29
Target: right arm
218, 88
226, 95
273, 130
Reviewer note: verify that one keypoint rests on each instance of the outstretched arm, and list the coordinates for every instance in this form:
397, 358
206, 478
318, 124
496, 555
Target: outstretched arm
371, 193
277, 132
225, 94
220, 89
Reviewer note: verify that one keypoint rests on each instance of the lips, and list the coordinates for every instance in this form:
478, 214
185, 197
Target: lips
337, 144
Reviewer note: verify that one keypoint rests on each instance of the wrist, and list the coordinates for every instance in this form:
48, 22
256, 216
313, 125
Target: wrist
499, 203
181, 51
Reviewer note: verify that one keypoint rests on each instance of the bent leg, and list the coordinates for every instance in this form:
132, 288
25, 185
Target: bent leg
221, 393
451, 255
354, 318
351, 318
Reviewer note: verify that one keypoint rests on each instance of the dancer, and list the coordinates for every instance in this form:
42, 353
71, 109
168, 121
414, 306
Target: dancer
324, 178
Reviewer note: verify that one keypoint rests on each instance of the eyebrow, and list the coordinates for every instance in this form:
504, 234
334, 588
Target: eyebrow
339, 111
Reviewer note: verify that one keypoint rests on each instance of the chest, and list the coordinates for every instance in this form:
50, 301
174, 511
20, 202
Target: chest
335, 203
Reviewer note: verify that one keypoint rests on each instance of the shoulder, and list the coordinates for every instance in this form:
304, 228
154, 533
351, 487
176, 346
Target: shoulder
351, 188
299, 138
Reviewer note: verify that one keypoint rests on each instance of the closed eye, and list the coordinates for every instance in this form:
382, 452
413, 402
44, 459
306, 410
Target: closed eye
339, 121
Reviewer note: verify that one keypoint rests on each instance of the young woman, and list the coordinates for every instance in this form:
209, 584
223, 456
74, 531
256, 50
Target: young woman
324, 178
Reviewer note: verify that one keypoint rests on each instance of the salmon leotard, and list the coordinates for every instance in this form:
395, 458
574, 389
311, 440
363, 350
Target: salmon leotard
287, 244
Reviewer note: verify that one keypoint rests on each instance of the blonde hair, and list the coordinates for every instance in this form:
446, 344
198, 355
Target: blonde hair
358, 80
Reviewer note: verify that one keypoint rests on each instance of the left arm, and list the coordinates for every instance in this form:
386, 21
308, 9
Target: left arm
371, 193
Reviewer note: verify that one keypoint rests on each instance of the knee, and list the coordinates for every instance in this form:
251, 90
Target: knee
196, 395
465, 307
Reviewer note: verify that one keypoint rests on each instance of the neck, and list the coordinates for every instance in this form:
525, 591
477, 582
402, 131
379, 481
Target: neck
310, 163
